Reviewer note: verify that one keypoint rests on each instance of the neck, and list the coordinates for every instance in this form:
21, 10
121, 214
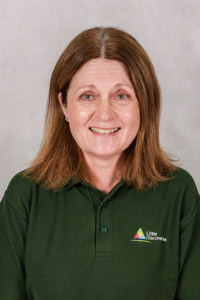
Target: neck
104, 170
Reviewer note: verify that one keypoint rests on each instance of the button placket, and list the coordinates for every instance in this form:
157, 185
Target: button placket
104, 243
104, 234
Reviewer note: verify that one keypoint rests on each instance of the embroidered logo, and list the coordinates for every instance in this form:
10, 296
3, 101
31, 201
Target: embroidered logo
150, 236
140, 237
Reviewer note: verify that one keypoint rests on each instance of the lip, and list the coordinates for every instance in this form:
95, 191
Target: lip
102, 128
105, 134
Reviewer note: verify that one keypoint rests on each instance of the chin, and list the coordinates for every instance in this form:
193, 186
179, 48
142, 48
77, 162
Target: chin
106, 154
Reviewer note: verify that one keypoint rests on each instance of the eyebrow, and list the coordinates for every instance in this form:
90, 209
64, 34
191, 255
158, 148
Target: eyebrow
86, 86
94, 86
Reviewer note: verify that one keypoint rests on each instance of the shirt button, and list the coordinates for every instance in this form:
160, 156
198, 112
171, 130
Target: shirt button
104, 229
104, 204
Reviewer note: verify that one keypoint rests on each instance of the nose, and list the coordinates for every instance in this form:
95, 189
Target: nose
104, 110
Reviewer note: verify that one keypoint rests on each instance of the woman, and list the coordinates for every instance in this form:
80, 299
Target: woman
102, 212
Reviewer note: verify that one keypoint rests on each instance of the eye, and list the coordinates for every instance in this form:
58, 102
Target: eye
122, 96
86, 96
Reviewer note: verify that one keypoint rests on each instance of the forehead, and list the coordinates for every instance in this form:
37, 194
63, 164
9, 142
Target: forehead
101, 70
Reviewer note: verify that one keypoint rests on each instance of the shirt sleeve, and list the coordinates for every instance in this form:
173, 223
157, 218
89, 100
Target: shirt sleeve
189, 276
13, 228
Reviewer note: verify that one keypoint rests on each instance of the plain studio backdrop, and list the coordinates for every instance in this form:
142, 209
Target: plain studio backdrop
33, 34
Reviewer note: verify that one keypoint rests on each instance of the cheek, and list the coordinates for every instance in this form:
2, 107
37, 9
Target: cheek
78, 111
78, 119
137, 119
77, 132
132, 117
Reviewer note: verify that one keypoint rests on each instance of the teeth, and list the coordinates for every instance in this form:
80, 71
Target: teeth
104, 131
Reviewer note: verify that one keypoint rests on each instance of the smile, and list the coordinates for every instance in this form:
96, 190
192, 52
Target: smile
106, 131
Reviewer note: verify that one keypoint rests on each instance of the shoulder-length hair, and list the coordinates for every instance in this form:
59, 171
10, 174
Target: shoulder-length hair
143, 164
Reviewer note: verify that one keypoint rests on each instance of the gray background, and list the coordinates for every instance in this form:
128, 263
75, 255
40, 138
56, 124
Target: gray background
33, 34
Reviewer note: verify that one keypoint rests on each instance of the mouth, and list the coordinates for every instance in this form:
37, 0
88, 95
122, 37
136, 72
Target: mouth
104, 131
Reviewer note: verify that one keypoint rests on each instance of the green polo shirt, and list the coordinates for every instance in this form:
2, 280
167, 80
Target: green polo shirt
77, 243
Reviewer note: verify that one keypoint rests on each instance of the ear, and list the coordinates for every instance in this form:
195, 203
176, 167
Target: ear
64, 108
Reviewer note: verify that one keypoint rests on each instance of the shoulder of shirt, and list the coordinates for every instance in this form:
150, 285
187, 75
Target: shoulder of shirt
184, 181
19, 183
182, 184
185, 185
189, 195
19, 193
182, 176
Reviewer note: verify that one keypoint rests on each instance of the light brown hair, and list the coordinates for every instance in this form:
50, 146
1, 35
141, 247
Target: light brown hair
143, 164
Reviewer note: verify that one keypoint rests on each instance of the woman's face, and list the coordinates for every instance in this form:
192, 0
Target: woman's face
102, 109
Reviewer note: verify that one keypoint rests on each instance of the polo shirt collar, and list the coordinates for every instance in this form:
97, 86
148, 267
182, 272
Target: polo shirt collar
67, 186
75, 181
